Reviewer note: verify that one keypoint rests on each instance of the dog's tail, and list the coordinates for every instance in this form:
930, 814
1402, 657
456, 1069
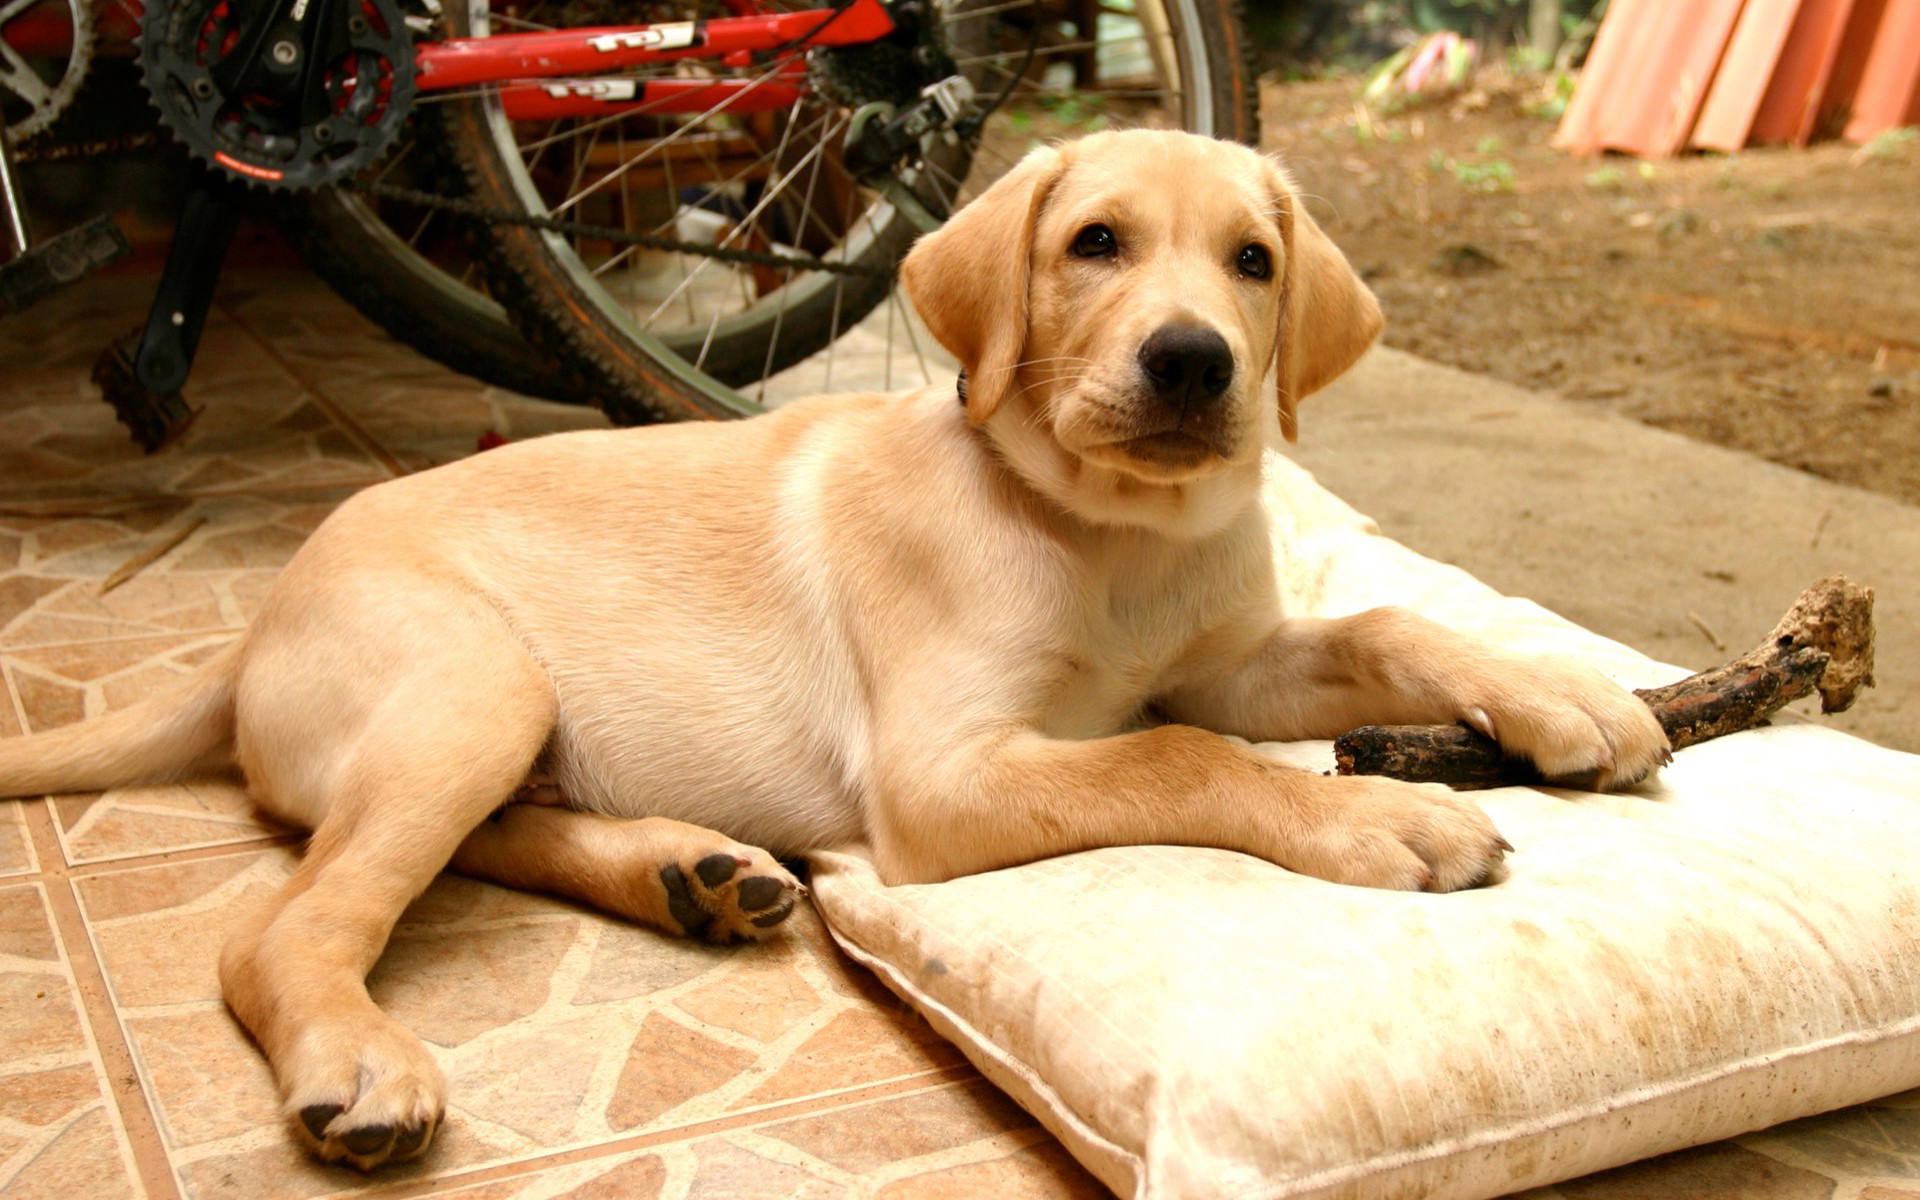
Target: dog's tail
147, 742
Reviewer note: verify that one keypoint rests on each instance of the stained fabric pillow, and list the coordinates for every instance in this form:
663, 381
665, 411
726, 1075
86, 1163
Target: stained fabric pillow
1728, 948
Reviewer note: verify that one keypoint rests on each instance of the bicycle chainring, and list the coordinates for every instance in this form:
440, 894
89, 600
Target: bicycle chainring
320, 104
35, 89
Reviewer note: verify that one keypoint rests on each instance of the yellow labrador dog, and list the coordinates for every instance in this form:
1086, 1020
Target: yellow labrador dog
930, 622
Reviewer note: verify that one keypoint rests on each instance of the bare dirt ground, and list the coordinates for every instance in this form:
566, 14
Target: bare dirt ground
1768, 301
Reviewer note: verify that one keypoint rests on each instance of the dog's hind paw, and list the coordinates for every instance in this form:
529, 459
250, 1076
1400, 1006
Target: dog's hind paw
731, 896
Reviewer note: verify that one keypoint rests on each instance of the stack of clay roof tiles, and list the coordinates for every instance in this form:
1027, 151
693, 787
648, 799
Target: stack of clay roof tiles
1665, 75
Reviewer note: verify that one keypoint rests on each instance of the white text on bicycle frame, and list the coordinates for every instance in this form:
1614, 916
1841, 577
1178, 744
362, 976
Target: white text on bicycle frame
594, 89
658, 37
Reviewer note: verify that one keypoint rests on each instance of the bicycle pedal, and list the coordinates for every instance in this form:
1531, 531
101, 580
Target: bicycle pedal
60, 260
155, 419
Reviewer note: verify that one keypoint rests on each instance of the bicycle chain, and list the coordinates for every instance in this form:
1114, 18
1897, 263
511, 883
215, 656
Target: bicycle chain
610, 233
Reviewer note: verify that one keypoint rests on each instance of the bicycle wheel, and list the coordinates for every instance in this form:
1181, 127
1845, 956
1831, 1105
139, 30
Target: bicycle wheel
666, 334
407, 270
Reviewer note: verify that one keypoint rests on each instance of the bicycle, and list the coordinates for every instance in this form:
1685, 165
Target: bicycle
666, 213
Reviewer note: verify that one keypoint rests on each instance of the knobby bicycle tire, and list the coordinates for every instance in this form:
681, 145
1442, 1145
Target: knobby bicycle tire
350, 246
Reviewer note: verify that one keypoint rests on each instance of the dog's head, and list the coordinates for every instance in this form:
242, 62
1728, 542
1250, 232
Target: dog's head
1129, 293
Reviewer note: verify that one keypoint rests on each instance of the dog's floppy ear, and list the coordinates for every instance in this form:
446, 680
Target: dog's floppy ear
968, 280
1328, 317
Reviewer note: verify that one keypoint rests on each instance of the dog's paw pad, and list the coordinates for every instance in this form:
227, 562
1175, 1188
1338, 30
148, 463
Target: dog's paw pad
409, 1141
716, 869
367, 1141
316, 1118
681, 905
729, 898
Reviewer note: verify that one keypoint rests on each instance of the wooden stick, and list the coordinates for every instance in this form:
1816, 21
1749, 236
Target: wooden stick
1823, 643
147, 557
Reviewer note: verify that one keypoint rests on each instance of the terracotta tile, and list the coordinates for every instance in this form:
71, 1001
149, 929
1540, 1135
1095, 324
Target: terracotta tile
156, 601
859, 1046
19, 593
119, 896
58, 685
16, 847
171, 955
1040, 1171
210, 1079
42, 1024
731, 1172
617, 972
70, 1150
263, 546
934, 1124
56, 1137
667, 1065
1908, 1099
499, 975
455, 898
1718, 1170
218, 474
1882, 1142
635, 1177
268, 1165
24, 930
777, 999
145, 820
49, 703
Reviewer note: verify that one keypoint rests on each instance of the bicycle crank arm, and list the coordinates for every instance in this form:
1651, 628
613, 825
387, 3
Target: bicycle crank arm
179, 312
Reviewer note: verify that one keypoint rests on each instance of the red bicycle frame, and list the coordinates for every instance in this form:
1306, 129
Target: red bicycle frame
572, 60
563, 53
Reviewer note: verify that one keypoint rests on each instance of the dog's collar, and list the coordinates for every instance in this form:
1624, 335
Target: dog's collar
960, 386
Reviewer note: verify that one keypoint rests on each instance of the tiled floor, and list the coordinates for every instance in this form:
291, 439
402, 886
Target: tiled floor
586, 1057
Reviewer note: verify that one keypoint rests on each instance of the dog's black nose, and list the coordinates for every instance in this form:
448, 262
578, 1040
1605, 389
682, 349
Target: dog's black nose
1187, 365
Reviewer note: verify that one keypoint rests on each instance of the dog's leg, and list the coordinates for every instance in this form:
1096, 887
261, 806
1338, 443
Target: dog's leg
1014, 799
679, 878
1318, 678
455, 720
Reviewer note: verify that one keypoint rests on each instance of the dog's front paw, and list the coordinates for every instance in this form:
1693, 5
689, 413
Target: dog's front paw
736, 894
1575, 724
1411, 837
364, 1093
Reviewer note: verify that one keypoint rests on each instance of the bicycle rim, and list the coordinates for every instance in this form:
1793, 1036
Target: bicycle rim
671, 335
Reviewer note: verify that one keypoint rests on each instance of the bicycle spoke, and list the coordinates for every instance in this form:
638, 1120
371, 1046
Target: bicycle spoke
766, 199
757, 82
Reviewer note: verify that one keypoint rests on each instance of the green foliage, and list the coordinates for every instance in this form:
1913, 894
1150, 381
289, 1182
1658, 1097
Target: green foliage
1892, 145
1493, 175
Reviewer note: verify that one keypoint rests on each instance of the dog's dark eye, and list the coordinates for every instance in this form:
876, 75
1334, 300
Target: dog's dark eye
1254, 262
1095, 241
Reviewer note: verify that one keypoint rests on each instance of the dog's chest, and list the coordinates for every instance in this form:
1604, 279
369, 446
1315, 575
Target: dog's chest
1139, 618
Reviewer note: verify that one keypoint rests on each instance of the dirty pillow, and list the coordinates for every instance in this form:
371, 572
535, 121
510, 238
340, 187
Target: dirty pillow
1730, 948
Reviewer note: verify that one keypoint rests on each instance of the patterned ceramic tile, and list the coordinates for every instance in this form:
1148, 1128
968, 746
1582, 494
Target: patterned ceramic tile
258, 427
418, 412
58, 1137
16, 846
171, 567
557, 1028
953, 1141
58, 685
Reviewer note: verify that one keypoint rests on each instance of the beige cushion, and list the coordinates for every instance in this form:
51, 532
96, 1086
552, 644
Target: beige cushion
1727, 949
